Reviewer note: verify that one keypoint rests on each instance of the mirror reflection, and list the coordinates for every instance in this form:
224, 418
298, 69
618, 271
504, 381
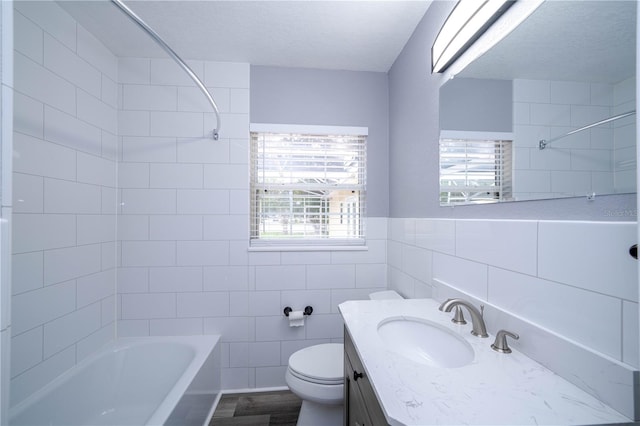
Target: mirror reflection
565, 76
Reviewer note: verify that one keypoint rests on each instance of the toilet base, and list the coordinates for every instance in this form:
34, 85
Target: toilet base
314, 414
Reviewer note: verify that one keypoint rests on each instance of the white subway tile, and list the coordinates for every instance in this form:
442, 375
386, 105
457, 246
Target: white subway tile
226, 227
239, 304
37, 377
97, 54
148, 201
417, 262
175, 279
342, 295
571, 183
236, 126
550, 159
149, 98
109, 92
226, 176
588, 254
95, 287
110, 255
191, 99
28, 115
570, 92
436, 234
394, 254
93, 229
203, 201
264, 303
239, 354
133, 123
582, 115
41, 306
376, 253
52, 18
538, 91
232, 329
591, 159
65, 63
27, 37
28, 193
280, 277
239, 151
402, 230
149, 149
601, 94
264, 354
465, 275
203, 304
630, 333
305, 257
371, 275
71, 263
26, 351
264, 258
325, 327
67, 330
133, 328
226, 278
319, 300
133, 175
179, 124
96, 170
61, 196
276, 329
521, 113
234, 378
133, 280
227, 74
33, 232
331, 276
203, 150
176, 176
545, 303
551, 115
43, 85
167, 72
94, 111
506, 244
169, 227
27, 272
376, 228
175, 327
288, 348
94, 342
148, 306
36, 157
134, 70
148, 253
239, 101
69, 131
204, 253
133, 227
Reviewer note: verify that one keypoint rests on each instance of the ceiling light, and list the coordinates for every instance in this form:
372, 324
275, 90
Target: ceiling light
467, 21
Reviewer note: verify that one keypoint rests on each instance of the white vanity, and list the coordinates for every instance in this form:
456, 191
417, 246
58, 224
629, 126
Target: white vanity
494, 388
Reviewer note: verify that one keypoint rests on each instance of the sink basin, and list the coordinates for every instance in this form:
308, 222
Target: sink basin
425, 342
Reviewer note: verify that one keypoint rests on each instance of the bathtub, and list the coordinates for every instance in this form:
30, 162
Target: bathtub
133, 381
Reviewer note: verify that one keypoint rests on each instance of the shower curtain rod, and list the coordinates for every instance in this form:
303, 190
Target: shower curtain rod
544, 142
135, 18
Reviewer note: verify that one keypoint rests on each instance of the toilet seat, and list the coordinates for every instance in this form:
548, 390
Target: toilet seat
321, 364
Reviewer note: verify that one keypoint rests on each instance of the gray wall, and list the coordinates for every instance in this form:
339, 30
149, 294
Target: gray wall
413, 146
322, 97
480, 105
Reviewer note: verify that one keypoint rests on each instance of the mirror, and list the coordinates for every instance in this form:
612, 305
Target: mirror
569, 65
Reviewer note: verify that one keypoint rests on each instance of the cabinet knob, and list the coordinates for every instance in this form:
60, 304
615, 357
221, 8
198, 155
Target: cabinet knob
357, 375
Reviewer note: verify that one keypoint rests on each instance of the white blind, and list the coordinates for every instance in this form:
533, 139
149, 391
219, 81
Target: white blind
475, 171
307, 189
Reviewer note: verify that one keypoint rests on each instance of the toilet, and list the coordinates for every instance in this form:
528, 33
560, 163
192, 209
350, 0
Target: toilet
316, 373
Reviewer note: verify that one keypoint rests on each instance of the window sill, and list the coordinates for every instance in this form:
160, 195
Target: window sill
308, 248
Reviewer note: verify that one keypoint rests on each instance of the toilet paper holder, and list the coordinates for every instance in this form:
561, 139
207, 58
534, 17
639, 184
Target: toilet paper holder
308, 310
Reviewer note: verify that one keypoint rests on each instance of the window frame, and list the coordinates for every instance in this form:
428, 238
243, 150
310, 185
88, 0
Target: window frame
307, 243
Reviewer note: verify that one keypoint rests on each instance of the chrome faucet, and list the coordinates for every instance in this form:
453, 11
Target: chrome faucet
479, 327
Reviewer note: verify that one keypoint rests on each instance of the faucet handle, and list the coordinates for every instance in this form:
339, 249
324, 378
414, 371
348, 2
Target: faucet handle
458, 317
500, 344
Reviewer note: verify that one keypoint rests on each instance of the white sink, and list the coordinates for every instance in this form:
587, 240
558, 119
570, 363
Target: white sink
425, 342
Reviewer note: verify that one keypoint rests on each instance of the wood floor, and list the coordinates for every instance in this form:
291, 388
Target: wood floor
279, 408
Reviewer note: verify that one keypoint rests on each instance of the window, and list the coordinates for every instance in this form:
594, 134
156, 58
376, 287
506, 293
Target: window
475, 171
307, 185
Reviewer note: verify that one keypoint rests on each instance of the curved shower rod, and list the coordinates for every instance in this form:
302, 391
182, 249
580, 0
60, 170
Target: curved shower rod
135, 18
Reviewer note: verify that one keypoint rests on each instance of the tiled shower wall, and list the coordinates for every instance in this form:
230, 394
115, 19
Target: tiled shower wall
183, 230
64, 195
568, 288
588, 161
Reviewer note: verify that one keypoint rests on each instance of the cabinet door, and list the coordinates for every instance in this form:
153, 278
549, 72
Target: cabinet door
354, 409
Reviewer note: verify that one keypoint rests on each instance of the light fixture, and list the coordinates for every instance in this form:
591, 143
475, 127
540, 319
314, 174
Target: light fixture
467, 21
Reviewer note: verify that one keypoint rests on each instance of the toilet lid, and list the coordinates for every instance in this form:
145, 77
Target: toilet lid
319, 362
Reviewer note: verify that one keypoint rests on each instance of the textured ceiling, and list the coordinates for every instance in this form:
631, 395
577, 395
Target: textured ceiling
347, 35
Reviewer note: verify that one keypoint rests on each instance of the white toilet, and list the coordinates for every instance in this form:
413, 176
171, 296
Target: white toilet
316, 373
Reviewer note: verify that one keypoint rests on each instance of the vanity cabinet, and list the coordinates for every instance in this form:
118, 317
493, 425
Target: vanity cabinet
361, 407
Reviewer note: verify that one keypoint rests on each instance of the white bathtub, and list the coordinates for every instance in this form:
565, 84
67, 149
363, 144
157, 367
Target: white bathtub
134, 381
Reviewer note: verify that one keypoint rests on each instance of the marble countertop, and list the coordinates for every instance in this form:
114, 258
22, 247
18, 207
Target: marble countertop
493, 389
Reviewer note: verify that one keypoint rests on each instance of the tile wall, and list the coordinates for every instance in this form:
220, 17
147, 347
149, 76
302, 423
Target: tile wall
578, 164
570, 286
624, 137
64, 195
184, 262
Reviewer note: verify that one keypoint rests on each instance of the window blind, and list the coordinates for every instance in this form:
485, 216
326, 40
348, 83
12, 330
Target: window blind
307, 189
475, 171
